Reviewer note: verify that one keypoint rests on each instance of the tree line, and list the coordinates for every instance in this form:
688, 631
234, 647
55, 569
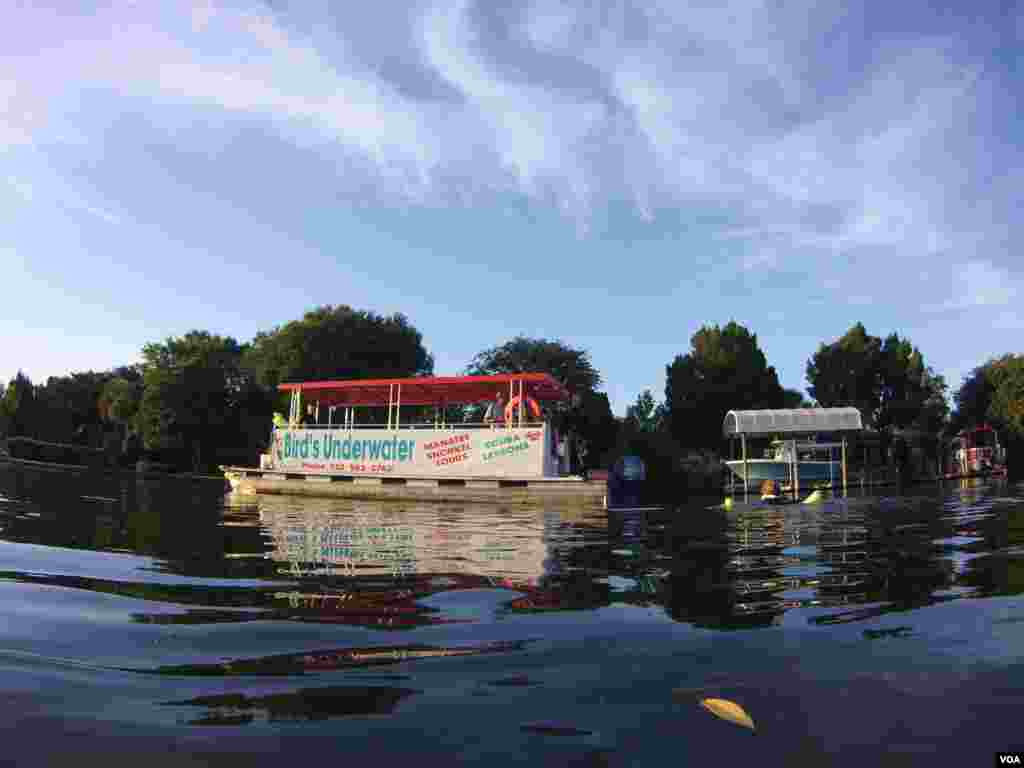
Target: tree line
201, 400
886, 379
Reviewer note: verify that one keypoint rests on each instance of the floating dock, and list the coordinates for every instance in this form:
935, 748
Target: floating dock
567, 491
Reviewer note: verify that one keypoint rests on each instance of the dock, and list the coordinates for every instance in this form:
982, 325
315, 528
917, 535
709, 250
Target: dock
563, 491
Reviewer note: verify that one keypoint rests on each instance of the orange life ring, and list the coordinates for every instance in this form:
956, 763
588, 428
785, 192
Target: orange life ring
532, 404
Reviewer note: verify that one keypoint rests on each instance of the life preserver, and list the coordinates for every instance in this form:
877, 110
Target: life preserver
532, 404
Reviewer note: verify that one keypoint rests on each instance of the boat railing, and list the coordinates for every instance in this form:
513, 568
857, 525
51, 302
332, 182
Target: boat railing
422, 425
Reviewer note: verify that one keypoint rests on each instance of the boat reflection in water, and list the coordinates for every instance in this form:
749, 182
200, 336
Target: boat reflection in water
839, 561
372, 564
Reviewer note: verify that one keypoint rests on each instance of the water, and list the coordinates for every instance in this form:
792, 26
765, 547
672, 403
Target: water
165, 621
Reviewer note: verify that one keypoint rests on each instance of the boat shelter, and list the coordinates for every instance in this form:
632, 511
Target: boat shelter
793, 423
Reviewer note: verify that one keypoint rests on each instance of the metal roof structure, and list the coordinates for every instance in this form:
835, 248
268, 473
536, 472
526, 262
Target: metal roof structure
428, 390
792, 421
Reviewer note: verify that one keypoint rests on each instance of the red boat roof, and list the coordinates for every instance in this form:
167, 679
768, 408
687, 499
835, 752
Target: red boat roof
429, 390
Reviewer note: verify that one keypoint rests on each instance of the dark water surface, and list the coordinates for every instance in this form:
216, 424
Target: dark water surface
163, 621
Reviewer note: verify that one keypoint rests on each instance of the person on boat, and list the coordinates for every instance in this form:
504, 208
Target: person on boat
309, 417
496, 411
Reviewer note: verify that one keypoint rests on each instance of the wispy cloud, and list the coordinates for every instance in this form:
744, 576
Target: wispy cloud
979, 284
811, 151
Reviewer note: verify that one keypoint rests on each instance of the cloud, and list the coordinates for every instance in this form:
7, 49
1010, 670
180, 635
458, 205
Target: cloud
813, 139
982, 285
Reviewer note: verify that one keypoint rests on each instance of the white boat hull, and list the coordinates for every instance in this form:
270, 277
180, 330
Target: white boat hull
773, 469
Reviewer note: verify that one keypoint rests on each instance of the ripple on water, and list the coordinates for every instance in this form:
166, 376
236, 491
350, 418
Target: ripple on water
519, 628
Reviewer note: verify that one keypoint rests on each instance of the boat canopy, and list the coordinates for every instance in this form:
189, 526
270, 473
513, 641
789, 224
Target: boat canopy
429, 390
791, 420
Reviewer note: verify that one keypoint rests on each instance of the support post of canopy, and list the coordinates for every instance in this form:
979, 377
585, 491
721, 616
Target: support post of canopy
796, 472
398, 408
732, 455
844, 465
391, 393
522, 403
746, 466
511, 394
316, 412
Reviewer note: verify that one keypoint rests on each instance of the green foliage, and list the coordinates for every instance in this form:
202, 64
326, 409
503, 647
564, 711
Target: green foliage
198, 405
794, 398
974, 398
1007, 407
19, 407
643, 416
887, 380
845, 372
724, 370
338, 343
593, 421
119, 401
572, 367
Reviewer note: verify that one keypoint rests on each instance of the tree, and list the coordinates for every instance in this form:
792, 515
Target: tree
338, 343
794, 398
887, 381
70, 407
1007, 406
597, 427
18, 407
571, 367
724, 370
588, 416
994, 393
643, 415
845, 372
196, 398
974, 397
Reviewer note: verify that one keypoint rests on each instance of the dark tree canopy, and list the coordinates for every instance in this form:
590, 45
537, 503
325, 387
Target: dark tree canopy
845, 372
1007, 406
994, 393
197, 400
644, 414
887, 380
974, 398
572, 367
338, 343
724, 370
18, 408
794, 398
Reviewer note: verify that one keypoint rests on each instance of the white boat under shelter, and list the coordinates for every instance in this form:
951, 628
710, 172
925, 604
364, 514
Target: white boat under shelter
795, 445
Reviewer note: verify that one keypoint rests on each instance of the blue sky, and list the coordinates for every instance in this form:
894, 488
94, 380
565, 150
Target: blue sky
610, 174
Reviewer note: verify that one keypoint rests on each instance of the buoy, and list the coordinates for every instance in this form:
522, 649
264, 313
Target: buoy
727, 504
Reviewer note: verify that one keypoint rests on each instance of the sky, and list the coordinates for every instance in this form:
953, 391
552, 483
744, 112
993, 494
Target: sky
613, 175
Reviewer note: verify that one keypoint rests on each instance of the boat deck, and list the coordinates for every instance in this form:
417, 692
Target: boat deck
503, 490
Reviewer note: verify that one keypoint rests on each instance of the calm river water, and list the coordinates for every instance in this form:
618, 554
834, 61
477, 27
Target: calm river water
165, 622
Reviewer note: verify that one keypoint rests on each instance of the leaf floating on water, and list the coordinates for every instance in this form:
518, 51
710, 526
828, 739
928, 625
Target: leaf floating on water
728, 710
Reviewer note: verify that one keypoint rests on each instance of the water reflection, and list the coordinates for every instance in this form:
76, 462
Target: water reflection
375, 565
304, 704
